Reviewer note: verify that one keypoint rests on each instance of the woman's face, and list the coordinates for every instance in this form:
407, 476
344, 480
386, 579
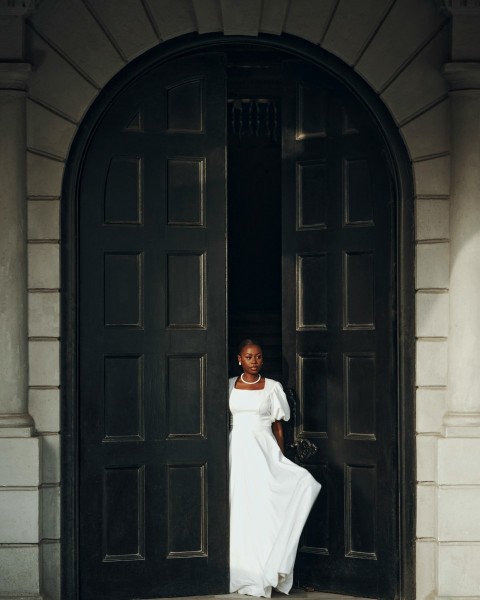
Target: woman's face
251, 359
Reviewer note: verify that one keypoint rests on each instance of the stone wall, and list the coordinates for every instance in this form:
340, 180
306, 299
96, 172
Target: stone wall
399, 47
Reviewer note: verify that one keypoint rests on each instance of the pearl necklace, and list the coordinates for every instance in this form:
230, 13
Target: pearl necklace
250, 382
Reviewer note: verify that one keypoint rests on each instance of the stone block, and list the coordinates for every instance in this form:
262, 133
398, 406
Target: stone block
44, 406
44, 176
51, 512
308, 19
44, 363
426, 510
20, 516
128, 24
421, 83
426, 458
432, 314
50, 458
431, 363
391, 48
241, 18
44, 220
20, 462
459, 461
429, 134
208, 14
433, 266
173, 17
432, 177
48, 132
458, 511
458, 570
465, 38
20, 571
72, 28
273, 16
73, 96
43, 266
51, 569
11, 36
426, 574
44, 314
432, 219
431, 405
352, 27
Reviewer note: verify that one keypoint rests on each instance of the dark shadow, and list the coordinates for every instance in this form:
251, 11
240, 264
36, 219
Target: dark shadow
254, 209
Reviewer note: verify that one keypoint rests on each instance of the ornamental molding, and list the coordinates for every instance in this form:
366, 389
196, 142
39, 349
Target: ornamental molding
17, 8
463, 76
461, 7
15, 76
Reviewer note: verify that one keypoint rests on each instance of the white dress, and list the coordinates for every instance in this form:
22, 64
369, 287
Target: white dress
270, 496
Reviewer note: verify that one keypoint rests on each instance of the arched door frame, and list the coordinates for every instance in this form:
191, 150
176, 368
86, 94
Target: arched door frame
402, 176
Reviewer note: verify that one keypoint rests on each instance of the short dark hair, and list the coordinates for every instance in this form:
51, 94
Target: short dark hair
247, 342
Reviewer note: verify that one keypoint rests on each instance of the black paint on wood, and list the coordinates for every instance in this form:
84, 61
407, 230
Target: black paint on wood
141, 119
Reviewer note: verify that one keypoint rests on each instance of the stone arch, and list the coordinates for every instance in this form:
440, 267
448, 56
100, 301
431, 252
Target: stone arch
401, 173
77, 47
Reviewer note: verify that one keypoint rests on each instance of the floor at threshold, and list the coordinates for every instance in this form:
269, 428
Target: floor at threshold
294, 595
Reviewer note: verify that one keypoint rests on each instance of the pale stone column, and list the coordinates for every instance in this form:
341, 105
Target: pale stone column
14, 418
463, 416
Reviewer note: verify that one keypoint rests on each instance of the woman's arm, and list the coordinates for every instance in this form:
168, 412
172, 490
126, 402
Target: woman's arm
277, 430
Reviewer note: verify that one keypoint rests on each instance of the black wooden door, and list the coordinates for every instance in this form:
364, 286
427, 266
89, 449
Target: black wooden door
153, 515
339, 332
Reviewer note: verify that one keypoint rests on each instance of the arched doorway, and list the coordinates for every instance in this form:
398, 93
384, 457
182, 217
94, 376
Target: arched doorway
157, 298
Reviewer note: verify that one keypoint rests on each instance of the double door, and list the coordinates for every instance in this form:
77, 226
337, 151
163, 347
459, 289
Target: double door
152, 322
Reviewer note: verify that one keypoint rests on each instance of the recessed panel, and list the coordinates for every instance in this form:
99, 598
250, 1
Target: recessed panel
186, 290
312, 291
123, 191
135, 123
186, 396
360, 511
359, 291
123, 290
123, 519
185, 191
312, 376
316, 533
358, 193
185, 107
359, 377
187, 511
123, 398
311, 111
312, 192
350, 120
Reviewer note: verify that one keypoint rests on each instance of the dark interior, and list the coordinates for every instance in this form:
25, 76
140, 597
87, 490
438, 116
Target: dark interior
254, 207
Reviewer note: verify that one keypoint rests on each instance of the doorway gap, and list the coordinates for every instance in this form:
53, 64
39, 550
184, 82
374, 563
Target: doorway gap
254, 213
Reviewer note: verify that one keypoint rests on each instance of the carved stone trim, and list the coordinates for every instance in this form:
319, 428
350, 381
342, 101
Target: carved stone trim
462, 75
15, 76
457, 424
16, 426
461, 7
17, 8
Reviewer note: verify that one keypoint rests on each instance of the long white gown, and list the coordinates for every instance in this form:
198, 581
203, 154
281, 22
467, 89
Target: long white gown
270, 496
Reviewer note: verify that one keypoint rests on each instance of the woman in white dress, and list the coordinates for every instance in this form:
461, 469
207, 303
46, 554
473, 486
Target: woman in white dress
270, 496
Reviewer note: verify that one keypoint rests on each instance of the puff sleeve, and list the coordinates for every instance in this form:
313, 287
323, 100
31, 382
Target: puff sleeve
279, 408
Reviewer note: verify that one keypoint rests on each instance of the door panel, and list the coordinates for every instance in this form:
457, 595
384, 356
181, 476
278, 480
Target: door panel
339, 331
152, 365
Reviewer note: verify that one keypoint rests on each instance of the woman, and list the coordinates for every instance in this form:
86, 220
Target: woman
270, 496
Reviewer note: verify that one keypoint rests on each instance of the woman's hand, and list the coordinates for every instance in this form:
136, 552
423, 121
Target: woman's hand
277, 430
